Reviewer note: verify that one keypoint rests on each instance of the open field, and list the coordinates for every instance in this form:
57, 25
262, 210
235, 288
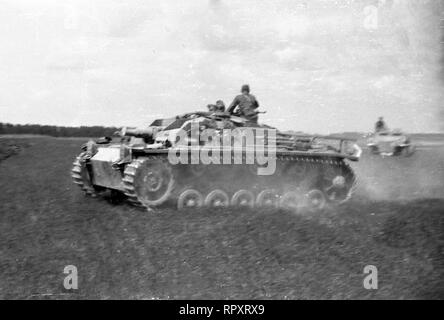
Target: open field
395, 222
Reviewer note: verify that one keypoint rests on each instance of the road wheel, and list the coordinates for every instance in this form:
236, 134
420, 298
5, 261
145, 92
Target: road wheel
335, 189
217, 198
291, 200
190, 199
315, 200
267, 198
243, 198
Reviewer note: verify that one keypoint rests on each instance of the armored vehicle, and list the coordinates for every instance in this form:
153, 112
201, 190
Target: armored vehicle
216, 159
390, 143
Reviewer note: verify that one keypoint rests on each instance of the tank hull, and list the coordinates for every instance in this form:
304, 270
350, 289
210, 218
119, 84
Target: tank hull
296, 172
217, 159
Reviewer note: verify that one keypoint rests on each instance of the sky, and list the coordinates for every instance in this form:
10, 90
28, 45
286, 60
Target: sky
317, 66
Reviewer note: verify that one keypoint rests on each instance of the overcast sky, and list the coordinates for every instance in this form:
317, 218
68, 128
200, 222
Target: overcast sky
315, 66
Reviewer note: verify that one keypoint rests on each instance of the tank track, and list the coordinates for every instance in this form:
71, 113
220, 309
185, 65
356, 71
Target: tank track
128, 182
78, 175
301, 174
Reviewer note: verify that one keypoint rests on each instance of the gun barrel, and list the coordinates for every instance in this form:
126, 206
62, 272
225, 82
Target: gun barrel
138, 132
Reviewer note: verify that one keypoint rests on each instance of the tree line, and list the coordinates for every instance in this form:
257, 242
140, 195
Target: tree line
56, 131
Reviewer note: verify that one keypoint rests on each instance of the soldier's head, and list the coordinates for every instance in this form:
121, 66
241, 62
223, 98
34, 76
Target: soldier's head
245, 89
220, 105
381, 118
212, 107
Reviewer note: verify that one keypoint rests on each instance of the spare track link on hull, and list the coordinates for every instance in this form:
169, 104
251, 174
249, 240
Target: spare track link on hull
78, 175
135, 168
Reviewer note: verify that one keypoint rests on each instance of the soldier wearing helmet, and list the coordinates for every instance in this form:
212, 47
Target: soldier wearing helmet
246, 105
220, 106
212, 107
380, 125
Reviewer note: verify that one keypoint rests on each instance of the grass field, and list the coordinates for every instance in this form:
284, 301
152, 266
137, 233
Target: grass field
395, 222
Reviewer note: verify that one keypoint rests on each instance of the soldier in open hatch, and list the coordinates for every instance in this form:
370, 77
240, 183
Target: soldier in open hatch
220, 106
380, 125
212, 108
246, 105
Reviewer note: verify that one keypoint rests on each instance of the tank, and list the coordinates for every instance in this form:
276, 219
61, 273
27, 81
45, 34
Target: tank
390, 143
218, 160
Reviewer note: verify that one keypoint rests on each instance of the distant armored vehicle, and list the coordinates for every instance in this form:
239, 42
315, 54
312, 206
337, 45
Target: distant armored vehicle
309, 171
390, 143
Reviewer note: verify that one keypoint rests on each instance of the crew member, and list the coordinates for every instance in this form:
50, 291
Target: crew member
380, 125
212, 108
220, 106
246, 105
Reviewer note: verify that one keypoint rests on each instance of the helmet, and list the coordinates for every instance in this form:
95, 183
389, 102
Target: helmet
220, 105
212, 107
245, 88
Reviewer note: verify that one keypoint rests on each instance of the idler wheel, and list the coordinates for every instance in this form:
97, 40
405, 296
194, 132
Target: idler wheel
291, 200
190, 199
335, 189
153, 182
217, 198
315, 200
243, 198
267, 198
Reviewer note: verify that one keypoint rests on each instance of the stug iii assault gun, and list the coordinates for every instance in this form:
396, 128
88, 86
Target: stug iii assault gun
216, 159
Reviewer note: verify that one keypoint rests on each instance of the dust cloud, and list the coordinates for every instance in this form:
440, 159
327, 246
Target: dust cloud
402, 178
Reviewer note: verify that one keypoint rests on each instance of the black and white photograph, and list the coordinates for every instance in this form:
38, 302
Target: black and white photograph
214, 150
